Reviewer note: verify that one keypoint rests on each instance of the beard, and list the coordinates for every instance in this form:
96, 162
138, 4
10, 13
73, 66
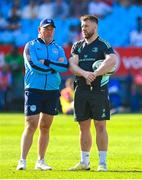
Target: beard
88, 35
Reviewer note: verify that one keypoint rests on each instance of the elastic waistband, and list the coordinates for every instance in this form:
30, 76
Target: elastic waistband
40, 91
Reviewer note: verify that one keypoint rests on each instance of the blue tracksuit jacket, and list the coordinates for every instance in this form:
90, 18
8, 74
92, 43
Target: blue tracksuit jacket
40, 76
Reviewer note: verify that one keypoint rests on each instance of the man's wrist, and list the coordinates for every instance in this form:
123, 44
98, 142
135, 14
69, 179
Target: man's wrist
96, 73
46, 62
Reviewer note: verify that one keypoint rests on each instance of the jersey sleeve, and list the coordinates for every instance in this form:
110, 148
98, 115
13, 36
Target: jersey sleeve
32, 62
61, 65
74, 50
108, 49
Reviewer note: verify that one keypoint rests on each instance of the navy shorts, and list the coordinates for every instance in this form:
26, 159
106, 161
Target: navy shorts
91, 104
45, 102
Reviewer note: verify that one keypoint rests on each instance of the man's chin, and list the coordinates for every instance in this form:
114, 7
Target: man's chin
85, 36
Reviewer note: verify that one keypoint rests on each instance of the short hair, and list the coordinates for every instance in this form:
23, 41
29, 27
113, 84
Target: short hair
90, 18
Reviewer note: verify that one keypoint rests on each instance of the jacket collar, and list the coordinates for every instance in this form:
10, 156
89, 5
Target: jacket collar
41, 41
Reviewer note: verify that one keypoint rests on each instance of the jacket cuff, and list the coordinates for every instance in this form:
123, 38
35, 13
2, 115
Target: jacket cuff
46, 62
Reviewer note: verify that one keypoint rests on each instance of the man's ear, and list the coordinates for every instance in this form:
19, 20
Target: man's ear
39, 29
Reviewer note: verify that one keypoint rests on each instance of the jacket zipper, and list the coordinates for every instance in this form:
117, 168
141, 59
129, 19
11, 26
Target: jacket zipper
46, 74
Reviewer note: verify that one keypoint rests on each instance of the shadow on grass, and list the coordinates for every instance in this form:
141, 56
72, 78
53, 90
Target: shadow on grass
126, 171
114, 171
87, 171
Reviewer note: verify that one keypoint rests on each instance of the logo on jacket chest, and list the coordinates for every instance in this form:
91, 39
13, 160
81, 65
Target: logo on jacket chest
55, 51
38, 48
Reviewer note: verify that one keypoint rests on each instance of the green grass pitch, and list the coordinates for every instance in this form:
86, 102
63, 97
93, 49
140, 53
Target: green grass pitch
124, 154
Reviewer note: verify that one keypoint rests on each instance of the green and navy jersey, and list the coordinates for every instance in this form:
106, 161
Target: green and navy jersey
88, 54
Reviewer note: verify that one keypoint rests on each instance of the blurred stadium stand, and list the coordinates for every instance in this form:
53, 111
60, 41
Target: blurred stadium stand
121, 21
115, 26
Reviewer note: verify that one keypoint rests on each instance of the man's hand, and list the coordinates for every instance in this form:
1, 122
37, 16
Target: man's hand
89, 76
42, 61
45, 62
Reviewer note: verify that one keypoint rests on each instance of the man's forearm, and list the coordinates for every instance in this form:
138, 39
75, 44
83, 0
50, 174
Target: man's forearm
88, 75
76, 70
105, 67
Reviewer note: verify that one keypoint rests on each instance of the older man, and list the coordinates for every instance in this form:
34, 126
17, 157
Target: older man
44, 59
